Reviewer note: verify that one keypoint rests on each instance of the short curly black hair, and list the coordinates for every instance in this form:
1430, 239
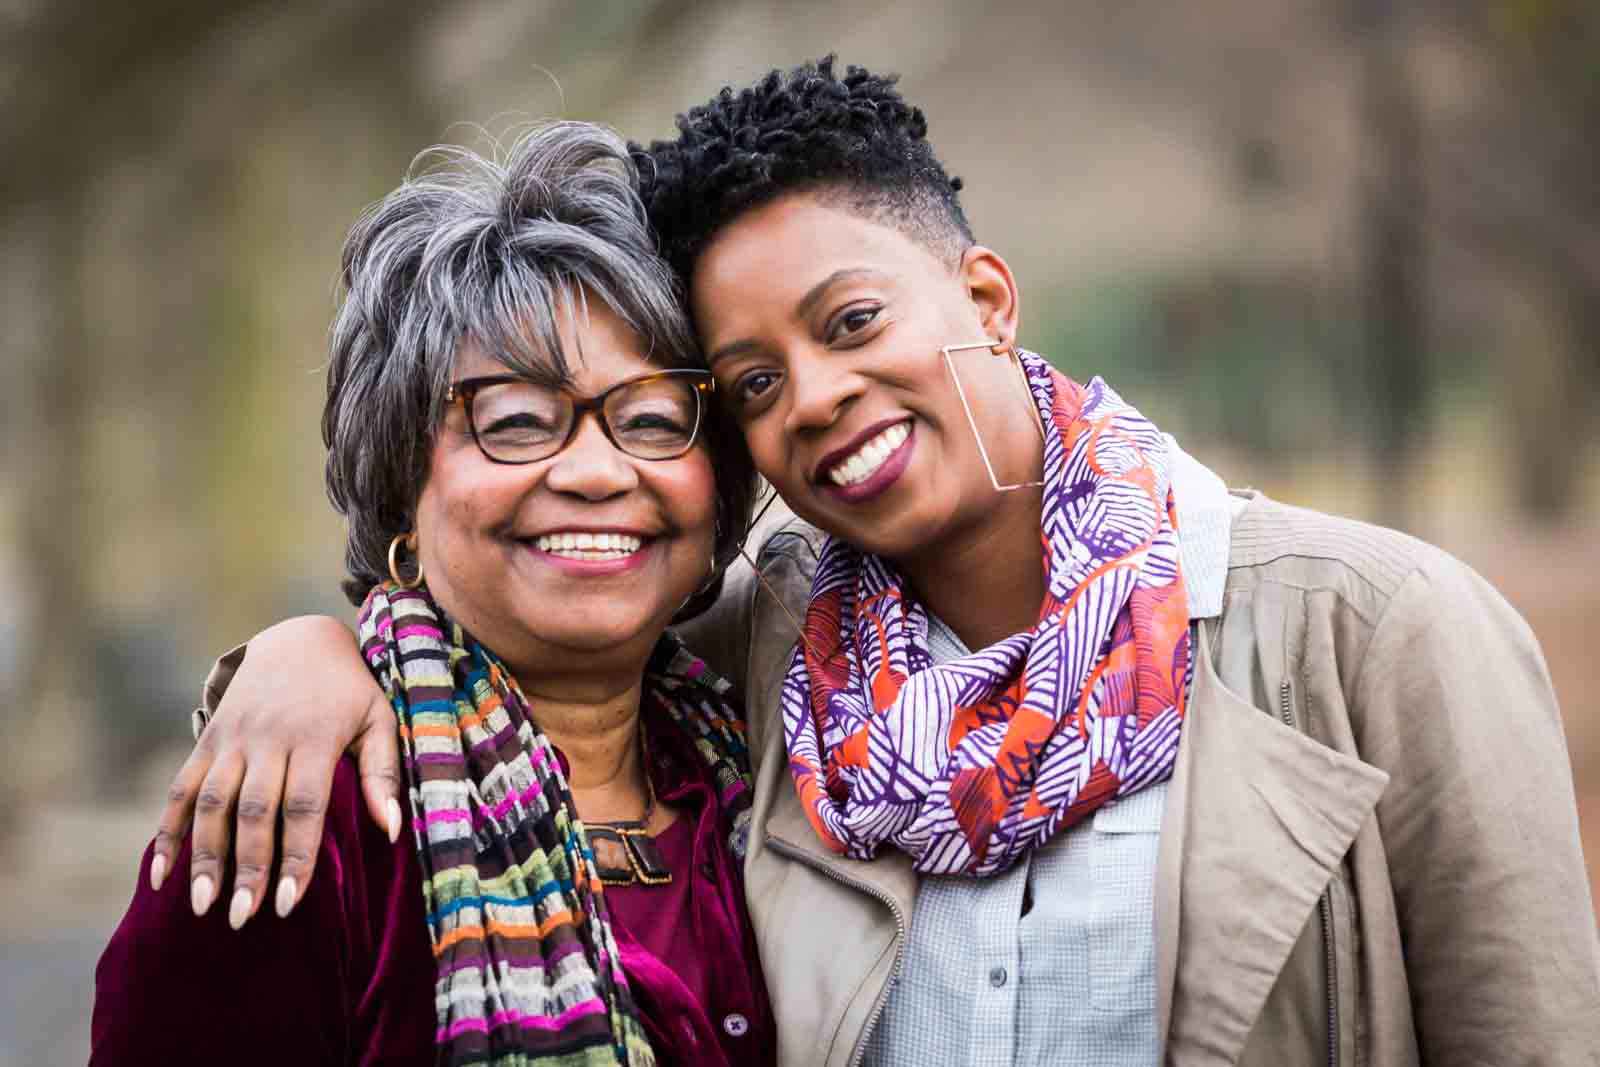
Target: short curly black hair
853, 140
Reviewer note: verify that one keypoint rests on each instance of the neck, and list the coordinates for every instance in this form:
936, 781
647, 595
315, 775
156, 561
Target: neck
986, 583
595, 724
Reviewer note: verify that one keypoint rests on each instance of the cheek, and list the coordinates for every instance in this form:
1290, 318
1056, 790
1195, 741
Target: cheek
685, 493
688, 486
438, 524
769, 448
456, 504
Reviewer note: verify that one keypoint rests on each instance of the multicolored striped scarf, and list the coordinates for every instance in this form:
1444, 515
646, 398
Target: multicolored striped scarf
968, 764
529, 972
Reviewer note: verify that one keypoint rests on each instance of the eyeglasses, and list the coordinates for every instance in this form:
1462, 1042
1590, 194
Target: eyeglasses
514, 420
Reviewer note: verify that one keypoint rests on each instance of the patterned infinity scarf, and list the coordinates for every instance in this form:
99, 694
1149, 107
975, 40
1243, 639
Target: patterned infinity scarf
528, 966
968, 764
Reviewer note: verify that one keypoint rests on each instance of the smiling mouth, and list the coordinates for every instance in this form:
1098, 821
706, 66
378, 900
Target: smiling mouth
589, 546
866, 460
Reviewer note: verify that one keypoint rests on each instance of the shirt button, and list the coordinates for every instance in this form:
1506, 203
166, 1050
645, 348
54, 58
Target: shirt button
736, 1025
997, 977
709, 869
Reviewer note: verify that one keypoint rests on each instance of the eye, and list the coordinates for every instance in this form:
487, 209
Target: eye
519, 422
652, 422
749, 389
852, 321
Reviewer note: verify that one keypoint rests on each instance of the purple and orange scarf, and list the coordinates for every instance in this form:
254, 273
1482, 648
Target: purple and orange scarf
968, 764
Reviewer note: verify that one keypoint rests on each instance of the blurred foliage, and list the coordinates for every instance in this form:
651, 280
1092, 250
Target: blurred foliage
1538, 147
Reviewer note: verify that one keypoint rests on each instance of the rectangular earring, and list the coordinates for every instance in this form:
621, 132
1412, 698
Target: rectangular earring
972, 422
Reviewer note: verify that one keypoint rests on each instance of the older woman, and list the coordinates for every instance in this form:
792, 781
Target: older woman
523, 450
1082, 759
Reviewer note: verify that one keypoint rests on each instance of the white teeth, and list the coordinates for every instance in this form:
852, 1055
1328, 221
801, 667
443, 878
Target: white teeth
588, 545
864, 462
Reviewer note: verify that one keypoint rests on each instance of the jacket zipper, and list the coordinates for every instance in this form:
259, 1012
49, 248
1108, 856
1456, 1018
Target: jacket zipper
1325, 915
783, 849
1325, 907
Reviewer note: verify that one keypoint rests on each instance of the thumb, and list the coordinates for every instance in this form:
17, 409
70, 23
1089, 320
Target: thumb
377, 751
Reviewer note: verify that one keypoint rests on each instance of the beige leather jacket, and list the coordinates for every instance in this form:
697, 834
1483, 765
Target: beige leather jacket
1370, 849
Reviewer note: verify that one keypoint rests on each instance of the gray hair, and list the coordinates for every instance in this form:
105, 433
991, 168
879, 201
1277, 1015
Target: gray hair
494, 250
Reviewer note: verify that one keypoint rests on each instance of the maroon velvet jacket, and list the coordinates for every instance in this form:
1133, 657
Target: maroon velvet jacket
348, 978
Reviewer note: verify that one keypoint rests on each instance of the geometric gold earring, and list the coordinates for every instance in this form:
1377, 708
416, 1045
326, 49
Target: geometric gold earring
972, 422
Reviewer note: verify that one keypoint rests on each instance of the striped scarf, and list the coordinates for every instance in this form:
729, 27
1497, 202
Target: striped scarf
529, 972
968, 764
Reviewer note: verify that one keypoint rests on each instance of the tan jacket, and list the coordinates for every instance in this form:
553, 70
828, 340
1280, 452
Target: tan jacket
1370, 849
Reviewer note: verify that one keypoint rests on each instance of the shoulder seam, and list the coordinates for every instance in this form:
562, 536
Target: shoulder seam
1383, 559
1323, 587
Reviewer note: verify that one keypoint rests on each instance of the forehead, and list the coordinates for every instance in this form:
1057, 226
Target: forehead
779, 250
596, 345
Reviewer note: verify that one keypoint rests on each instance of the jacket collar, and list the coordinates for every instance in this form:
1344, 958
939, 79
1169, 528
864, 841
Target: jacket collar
1257, 819
889, 876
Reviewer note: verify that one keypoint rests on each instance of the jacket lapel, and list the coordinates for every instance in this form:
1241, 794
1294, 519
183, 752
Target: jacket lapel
890, 876
1258, 817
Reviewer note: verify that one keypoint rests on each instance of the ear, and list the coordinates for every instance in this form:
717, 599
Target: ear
993, 291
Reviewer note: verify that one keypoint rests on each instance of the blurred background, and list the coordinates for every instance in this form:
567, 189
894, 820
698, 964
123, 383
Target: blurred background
1348, 250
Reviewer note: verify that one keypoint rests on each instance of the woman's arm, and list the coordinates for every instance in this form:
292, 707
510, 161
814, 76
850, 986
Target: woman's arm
346, 980
1480, 827
300, 699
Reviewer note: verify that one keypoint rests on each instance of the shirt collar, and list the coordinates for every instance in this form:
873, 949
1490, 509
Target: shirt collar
1205, 523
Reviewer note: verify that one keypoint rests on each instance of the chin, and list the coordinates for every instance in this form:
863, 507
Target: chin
592, 633
921, 538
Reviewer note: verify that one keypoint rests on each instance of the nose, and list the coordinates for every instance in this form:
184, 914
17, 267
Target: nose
820, 389
591, 466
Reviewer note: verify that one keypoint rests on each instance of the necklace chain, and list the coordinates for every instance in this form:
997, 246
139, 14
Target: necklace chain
628, 842
643, 821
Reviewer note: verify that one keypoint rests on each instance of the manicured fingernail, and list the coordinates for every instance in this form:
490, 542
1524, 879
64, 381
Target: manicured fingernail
394, 820
158, 872
285, 901
201, 891
239, 909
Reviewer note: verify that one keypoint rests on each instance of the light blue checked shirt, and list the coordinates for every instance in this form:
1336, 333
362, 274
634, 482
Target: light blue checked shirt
1053, 961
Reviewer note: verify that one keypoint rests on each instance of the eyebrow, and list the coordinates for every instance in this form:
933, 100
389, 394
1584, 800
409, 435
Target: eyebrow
803, 307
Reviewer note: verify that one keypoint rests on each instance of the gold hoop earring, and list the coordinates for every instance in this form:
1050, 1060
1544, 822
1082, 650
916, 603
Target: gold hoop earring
410, 541
1002, 349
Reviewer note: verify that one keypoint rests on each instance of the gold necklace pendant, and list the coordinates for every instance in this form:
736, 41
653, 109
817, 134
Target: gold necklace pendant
625, 851
626, 854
